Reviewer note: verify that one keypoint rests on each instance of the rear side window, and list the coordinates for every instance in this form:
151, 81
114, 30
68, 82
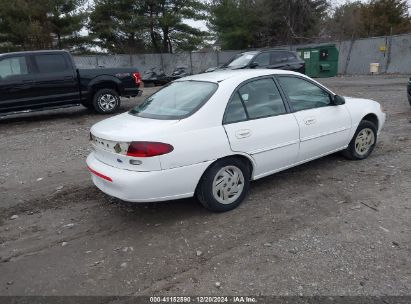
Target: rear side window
51, 63
176, 101
256, 99
282, 56
13, 66
235, 111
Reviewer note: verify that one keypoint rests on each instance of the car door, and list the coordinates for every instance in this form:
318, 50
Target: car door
324, 127
258, 123
56, 80
16, 83
279, 60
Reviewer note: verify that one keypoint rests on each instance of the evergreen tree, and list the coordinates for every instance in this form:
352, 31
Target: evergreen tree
259, 23
40, 24
383, 17
123, 26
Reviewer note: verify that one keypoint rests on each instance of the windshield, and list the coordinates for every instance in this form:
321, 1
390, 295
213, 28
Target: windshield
176, 101
240, 60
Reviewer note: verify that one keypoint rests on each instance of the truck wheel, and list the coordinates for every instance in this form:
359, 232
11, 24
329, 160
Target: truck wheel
106, 101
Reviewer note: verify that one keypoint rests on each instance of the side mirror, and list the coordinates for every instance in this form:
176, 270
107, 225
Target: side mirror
253, 65
338, 100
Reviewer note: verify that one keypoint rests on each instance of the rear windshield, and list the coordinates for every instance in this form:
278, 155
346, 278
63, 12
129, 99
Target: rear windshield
176, 101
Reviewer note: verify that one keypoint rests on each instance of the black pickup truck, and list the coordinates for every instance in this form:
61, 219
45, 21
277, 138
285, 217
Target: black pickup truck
42, 80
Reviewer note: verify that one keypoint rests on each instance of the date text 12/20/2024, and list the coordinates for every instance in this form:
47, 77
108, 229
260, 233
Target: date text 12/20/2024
206, 299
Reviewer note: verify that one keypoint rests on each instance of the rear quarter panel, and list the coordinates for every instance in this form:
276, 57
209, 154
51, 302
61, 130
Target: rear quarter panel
120, 77
193, 146
201, 137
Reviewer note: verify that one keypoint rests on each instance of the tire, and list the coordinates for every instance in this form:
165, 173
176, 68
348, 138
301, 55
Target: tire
223, 172
106, 101
363, 142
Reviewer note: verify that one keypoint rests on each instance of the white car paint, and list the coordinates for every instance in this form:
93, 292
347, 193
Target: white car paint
201, 139
271, 148
323, 130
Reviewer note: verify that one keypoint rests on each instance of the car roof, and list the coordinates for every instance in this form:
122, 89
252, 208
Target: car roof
240, 75
249, 53
267, 50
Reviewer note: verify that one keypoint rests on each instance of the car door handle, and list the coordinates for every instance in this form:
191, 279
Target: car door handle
310, 121
243, 133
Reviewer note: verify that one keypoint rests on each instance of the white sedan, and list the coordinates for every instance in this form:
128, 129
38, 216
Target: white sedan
209, 135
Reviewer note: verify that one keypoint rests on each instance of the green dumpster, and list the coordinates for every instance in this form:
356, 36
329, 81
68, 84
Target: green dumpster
320, 61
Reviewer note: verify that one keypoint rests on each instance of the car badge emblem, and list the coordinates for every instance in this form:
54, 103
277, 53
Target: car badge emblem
117, 148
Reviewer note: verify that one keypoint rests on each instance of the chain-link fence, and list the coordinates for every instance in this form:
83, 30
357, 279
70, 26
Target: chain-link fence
393, 53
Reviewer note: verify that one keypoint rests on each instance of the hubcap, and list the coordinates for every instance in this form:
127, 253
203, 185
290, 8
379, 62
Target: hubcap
107, 102
228, 185
364, 141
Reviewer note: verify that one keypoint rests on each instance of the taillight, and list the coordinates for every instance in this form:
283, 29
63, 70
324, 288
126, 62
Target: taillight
99, 174
148, 149
137, 78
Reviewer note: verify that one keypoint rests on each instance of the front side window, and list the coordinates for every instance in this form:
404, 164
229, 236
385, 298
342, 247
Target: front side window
256, 99
303, 94
13, 66
262, 59
176, 101
51, 63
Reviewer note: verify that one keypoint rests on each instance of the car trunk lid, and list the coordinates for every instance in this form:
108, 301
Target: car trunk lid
112, 137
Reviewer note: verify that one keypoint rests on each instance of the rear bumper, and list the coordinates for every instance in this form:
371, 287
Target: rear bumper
302, 69
409, 91
134, 186
132, 92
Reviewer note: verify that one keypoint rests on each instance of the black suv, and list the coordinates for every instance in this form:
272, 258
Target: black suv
266, 59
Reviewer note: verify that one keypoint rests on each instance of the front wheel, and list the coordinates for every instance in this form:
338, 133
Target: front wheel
224, 185
363, 142
106, 101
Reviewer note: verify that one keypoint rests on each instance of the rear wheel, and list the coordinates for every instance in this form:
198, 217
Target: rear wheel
224, 185
106, 101
363, 142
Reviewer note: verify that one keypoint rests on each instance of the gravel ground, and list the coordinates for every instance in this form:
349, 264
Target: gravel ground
329, 227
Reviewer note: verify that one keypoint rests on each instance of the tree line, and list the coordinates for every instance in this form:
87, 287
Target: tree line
136, 26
